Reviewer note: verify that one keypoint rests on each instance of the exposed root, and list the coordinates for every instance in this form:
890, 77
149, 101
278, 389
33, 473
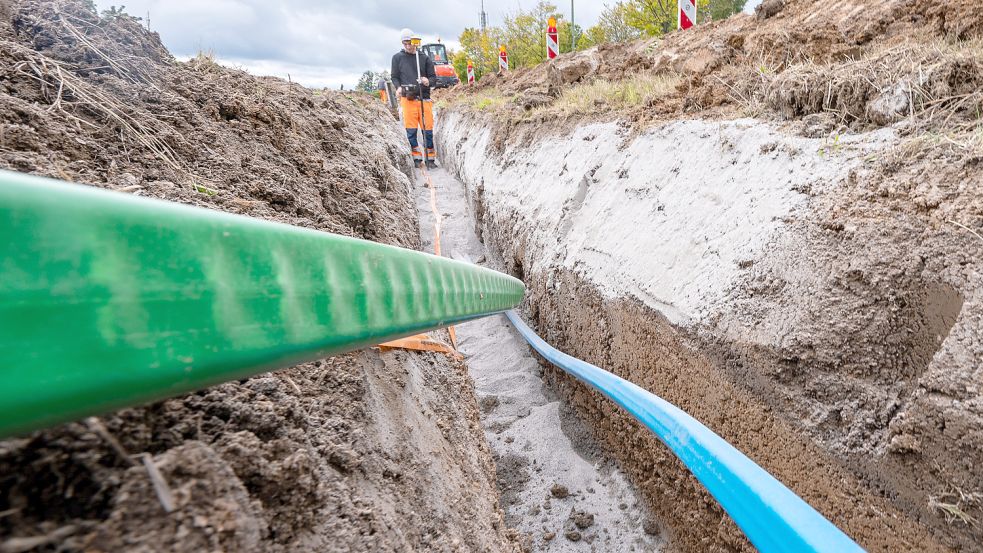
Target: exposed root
163, 491
971, 231
54, 76
96, 426
954, 504
122, 71
22, 545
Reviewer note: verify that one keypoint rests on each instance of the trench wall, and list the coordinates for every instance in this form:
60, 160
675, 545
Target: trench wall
656, 256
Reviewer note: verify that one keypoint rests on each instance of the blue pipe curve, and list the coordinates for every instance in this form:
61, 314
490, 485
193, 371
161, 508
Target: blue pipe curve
769, 514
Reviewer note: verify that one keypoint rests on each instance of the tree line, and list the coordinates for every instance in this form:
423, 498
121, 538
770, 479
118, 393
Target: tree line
523, 32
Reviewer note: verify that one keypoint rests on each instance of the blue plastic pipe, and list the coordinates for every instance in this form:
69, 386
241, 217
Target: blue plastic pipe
771, 515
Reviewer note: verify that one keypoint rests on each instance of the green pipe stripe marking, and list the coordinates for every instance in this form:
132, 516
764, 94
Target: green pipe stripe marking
109, 300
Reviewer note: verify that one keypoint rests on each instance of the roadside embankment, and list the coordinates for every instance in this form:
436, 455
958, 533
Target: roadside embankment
366, 451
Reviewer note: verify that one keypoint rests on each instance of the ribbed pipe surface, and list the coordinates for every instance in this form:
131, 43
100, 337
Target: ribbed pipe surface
109, 300
769, 514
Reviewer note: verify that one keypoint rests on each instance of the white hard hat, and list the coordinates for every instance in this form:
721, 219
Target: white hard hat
405, 34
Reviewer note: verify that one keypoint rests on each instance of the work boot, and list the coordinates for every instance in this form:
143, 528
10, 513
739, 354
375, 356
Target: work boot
431, 164
417, 163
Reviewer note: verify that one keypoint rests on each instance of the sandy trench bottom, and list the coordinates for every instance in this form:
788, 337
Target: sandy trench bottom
558, 489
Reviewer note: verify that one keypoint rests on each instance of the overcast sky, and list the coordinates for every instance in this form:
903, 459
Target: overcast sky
320, 42
317, 42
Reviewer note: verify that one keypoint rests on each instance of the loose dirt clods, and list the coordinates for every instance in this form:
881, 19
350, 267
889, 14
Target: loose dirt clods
785, 245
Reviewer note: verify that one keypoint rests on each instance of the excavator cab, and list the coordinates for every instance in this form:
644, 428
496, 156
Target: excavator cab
437, 52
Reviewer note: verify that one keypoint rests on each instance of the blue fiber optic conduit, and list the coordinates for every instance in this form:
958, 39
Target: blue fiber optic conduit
771, 515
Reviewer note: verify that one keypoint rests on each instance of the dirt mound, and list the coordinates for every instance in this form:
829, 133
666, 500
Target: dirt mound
864, 67
361, 452
111, 107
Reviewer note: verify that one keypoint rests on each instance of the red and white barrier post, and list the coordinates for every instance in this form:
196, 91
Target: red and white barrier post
503, 59
470, 72
552, 39
687, 13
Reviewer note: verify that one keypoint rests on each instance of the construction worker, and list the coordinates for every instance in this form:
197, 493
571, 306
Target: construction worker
411, 74
382, 91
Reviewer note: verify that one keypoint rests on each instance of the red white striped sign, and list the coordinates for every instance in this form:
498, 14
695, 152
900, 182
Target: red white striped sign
552, 39
503, 59
470, 72
687, 13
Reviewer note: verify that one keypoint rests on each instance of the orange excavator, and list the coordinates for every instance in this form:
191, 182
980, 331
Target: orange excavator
437, 52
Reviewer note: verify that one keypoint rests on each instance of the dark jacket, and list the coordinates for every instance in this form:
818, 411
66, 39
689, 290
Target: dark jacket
403, 70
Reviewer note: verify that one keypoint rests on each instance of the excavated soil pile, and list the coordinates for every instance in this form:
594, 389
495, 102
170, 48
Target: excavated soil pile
361, 452
841, 347
838, 62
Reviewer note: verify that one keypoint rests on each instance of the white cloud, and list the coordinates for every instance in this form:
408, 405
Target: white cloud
309, 75
751, 4
318, 43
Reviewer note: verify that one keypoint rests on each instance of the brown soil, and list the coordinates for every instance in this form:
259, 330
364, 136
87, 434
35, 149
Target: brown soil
645, 349
361, 452
849, 362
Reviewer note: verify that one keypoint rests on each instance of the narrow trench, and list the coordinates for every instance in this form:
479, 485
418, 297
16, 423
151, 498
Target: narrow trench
557, 488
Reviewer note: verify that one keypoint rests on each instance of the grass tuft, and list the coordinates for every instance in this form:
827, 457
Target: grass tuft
602, 94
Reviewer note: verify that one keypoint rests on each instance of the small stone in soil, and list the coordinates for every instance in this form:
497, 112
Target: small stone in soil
559, 491
582, 519
650, 528
573, 535
549, 536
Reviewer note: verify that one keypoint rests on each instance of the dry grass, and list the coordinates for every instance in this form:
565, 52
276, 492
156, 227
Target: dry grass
604, 95
133, 73
953, 505
204, 60
585, 98
68, 92
937, 85
962, 140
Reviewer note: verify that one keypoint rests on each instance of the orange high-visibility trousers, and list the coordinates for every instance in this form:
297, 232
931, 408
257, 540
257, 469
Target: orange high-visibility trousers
411, 120
411, 113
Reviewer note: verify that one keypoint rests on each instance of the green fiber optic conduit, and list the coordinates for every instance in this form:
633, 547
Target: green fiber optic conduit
109, 300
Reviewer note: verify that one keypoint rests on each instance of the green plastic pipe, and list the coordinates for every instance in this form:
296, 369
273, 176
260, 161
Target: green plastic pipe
110, 300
